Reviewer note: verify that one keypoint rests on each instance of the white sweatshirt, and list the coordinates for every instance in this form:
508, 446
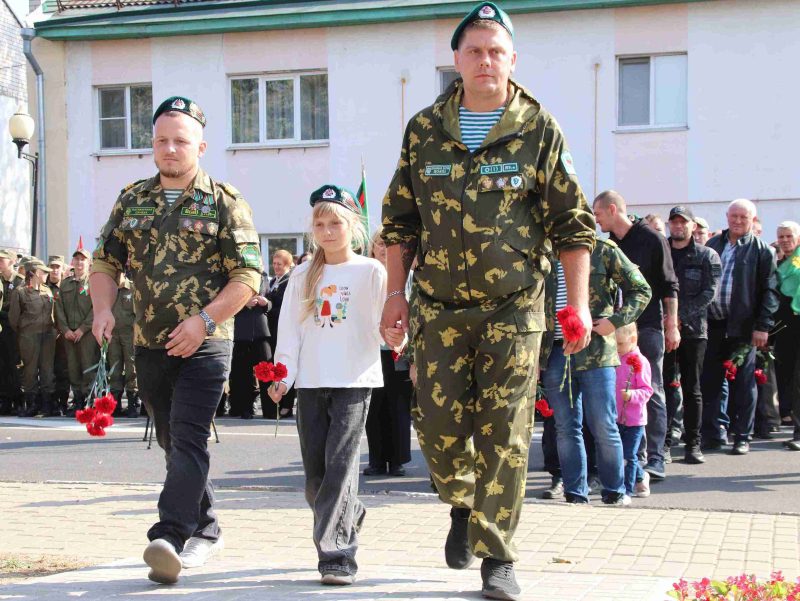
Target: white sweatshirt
338, 346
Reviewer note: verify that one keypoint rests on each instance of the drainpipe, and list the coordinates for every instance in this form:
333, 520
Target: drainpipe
27, 37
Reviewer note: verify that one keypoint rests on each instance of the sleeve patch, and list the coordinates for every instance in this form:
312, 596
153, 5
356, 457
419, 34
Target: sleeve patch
251, 256
567, 162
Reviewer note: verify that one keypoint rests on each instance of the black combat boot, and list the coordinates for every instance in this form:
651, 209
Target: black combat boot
133, 404
456, 548
32, 409
45, 405
78, 402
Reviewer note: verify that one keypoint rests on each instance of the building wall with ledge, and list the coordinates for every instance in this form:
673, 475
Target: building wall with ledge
739, 141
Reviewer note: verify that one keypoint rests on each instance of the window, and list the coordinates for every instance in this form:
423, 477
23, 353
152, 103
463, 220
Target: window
279, 109
652, 91
125, 117
270, 243
447, 75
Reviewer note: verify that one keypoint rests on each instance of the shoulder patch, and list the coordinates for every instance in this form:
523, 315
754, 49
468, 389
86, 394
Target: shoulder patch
129, 186
230, 190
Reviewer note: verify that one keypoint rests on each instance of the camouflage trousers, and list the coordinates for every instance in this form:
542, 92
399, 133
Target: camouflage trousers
476, 371
120, 357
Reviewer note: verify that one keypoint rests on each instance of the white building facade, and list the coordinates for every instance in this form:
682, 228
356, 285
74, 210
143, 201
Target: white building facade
668, 103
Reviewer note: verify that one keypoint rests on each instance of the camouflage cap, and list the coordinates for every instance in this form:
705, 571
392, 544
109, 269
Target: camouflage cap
34, 263
701, 223
180, 104
57, 260
485, 10
8, 254
331, 193
83, 251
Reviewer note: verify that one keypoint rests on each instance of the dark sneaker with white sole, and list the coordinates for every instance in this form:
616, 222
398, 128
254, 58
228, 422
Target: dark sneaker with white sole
457, 553
499, 581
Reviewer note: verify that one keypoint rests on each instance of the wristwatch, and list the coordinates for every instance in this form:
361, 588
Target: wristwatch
211, 326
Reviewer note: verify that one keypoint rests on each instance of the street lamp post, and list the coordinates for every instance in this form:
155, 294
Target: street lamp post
21, 126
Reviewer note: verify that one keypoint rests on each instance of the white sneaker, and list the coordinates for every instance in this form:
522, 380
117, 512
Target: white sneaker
198, 550
337, 577
164, 561
626, 500
642, 489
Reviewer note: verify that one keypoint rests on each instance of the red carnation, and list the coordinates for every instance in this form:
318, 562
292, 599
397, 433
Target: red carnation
571, 324
543, 407
264, 371
279, 371
635, 362
103, 420
730, 373
761, 377
85, 416
105, 404
675, 384
728, 365
95, 430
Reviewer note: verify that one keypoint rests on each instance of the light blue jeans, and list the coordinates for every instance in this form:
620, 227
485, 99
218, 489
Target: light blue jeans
592, 394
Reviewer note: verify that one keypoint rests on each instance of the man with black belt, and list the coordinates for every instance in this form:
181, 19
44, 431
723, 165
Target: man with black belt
698, 269
195, 260
58, 268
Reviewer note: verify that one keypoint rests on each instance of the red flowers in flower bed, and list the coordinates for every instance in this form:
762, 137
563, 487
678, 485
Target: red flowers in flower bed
543, 407
739, 588
761, 377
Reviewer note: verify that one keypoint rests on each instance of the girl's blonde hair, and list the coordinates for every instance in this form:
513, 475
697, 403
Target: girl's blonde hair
627, 333
376, 236
360, 241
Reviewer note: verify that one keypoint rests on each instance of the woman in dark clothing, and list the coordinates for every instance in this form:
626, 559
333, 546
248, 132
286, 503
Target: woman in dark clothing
251, 345
282, 264
389, 417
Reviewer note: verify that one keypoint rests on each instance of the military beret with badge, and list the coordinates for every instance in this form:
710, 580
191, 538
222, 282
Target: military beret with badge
180, 104
485, 11
331, 193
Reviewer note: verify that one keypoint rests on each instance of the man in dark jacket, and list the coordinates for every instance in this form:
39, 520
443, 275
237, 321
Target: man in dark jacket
740, 318
698, 269
658, 329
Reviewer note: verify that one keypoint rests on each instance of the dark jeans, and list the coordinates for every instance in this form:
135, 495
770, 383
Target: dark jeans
651, 343
389, 417
181, 395
243, 384
10, 378
687, 361
787, 365
550, 447
742, 393
330, 422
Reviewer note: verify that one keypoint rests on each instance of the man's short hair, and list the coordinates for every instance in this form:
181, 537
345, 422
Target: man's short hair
745, 204
792, 226
284, 255
483, 24
611, 197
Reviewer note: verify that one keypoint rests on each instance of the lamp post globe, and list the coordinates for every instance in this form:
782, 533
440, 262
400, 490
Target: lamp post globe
21, 127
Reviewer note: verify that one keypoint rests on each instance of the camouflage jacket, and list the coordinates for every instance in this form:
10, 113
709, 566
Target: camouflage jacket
74, 305
9, 286
484, 221
31, 310
124, 314
611, 271
181, 256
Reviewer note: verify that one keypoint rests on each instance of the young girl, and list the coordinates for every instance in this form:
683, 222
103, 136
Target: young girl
334, 369
633, 392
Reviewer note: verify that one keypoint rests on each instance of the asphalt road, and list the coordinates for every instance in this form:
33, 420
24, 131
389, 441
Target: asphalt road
249, 455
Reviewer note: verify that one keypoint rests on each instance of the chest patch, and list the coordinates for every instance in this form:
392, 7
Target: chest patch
499, 168
438, 170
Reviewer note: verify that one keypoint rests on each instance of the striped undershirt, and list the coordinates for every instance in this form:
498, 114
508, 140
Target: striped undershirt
476, 126
561, 298
172, 195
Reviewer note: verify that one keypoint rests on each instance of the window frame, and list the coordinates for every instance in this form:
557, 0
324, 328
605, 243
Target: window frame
128, 149
440, 72
263, 78
264, 239
651, 126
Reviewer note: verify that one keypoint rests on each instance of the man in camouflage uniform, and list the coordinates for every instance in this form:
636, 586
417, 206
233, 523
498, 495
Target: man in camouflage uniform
120, 349
74, 320
10, 386
195, 262
57, 273
481, 217
593, 375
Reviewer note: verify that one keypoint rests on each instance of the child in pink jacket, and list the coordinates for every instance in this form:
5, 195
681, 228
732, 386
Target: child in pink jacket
633, 392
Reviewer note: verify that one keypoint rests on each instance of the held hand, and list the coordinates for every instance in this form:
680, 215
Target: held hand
672, 337
257, 301
603, 327
71, 337
626, 395
394, 310
760, 339
276, 392
78, 334
187, 337
395, 338
577, 346
102, 327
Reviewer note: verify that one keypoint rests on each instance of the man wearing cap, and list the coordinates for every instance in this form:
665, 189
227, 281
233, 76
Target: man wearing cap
195, 262
31, 316
74, 320
121, 349
484, 186
58, 267
698, 269
10, 386
701, 233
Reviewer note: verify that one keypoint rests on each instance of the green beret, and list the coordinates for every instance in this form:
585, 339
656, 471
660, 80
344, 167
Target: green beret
331, 193
701, 223
180, 104
485, 10
8, 254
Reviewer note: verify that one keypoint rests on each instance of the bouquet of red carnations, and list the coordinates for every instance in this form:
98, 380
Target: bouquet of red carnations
97, 416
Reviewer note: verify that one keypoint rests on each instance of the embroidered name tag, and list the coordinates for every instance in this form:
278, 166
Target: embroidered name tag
499, 168
201, 213
139, 211
438, 170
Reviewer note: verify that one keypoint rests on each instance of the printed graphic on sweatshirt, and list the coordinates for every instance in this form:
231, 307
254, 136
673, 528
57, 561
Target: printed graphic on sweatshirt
332, 305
